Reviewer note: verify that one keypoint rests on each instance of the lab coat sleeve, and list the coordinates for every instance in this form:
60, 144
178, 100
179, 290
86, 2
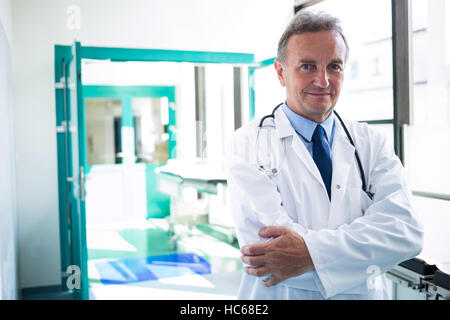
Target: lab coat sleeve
254, 199
386, 235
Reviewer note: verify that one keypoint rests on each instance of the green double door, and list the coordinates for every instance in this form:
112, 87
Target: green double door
106, 128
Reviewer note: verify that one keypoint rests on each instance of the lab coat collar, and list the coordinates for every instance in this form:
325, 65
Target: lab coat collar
283, 125
306, 127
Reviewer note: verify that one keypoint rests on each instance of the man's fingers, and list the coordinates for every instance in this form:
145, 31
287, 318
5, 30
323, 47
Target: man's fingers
254, 249
257, 272
267, 232
255, 261
272, 232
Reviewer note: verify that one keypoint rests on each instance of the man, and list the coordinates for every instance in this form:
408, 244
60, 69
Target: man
311, 232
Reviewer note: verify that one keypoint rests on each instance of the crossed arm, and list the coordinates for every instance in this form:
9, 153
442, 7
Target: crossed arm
283, 257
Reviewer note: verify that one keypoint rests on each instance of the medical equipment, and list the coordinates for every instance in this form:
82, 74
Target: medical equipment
271, 172
418, 280
197, 191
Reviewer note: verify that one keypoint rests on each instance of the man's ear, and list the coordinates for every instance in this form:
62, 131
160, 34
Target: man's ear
279, 68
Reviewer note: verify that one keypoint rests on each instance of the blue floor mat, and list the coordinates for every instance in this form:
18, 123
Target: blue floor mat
151, 268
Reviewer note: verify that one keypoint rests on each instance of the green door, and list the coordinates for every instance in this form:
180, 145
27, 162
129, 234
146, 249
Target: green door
76, 178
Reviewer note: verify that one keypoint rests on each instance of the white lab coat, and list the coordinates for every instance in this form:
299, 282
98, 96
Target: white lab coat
352, 240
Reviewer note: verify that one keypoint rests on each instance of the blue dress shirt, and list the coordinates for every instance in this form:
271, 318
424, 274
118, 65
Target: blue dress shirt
305, 127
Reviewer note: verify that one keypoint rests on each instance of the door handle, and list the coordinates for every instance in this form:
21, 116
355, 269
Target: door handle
82, 182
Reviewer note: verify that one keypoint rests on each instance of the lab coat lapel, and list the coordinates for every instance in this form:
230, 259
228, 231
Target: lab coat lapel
285, 129
343, 159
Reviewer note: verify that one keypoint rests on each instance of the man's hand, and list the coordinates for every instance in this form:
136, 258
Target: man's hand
284, 257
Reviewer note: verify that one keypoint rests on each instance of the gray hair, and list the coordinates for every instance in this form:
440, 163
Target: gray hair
307, 21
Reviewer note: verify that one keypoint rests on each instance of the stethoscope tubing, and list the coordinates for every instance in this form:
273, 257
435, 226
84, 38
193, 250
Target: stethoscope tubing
358, 159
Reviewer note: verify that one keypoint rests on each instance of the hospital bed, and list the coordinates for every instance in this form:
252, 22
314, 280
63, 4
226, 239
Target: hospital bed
198, 198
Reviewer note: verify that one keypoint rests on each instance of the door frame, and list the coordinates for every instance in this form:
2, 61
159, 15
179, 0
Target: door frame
63, 53
127, 93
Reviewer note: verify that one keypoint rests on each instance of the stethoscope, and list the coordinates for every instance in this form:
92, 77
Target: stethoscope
271, 172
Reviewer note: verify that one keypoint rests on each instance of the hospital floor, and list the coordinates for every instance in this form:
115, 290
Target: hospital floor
141, 259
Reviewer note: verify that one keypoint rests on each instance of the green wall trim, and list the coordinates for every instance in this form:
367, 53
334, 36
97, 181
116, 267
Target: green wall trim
133, 91
265, 63
128, 54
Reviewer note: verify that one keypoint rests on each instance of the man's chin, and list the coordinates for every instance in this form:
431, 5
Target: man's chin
320, 112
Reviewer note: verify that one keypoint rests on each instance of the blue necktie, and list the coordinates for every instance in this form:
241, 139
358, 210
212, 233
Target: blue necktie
322, 156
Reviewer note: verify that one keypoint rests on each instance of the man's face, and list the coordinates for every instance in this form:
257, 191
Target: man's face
313, 73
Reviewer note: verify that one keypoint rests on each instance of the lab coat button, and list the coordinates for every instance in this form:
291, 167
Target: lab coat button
338, 186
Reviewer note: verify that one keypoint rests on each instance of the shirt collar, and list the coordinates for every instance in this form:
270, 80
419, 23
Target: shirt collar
306, 127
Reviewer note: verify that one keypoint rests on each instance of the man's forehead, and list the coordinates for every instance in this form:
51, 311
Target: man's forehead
310, 45
318, 38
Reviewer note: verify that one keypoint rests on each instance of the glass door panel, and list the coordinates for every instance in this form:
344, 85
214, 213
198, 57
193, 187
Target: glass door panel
151, 120
103, 131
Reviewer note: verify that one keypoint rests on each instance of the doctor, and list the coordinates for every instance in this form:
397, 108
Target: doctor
311, 232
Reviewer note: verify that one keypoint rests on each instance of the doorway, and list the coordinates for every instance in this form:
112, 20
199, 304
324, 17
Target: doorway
104, 134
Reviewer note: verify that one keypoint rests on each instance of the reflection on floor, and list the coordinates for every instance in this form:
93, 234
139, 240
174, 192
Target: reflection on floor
139, 260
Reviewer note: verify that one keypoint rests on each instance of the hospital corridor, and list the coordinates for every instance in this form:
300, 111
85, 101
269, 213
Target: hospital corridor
212, 150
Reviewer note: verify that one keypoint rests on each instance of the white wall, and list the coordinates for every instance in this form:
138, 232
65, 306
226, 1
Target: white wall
8, 207
6, 19
209, 25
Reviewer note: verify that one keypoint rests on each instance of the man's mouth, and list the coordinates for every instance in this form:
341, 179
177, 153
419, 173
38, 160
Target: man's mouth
319, 94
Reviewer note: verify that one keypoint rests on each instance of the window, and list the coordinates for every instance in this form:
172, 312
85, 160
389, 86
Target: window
427, 140
367, 93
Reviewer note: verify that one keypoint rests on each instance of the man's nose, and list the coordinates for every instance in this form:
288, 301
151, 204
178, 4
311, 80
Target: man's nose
321, 79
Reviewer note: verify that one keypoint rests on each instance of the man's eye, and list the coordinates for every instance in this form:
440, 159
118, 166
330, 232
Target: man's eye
335, 67
307, 67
